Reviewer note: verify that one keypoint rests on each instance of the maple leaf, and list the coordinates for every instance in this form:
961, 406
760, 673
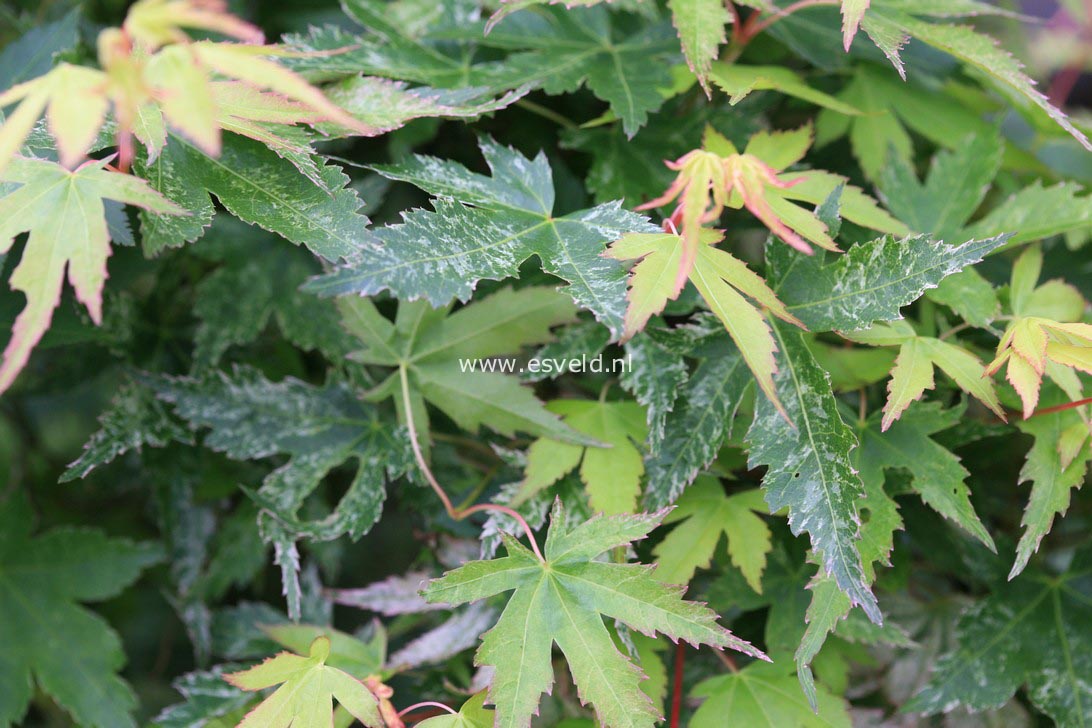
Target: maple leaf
1052, 482
700, 24
1031, 631
50, 641
259, 186
429, 348
719, 278
247, 415
308, 687
484, 228
564, 599
1035, 344
63, 212
705, 512
612, 475
852, 13
561, 49
937, 475
764, 696
891, 23
74, 101
700, 423
913, 370
709, 177
871, 282
155, 23
807, 447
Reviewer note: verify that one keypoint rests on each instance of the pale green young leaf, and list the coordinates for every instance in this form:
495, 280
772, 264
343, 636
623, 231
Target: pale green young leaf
443, 358
611, 474
764, 696
64, 214
308, 689
739, 81
1052, 483
852, 13
910, 377
51, 643
706, 512
564, 600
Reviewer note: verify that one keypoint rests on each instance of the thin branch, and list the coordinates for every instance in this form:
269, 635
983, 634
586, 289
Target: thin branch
676, 693
426, 704
453, 512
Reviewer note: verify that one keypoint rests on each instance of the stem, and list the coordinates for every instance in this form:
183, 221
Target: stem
1062, 407
546, 113
754, 25
676, 695
727, 660
426, 704
454, 513
736, 20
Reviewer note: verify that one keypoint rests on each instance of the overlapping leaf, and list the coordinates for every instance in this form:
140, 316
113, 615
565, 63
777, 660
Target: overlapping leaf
64, 212
612, 474
1031, 631
319, 428
564, 599
807, 448
484, 228
308, 687
433, 354
51, 643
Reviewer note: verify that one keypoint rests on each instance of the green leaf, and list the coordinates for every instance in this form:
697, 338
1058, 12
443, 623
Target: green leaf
885, 24
561, 49
564, 600
484, 228
871, 282
700, 24
384, 105
954, 188
135, 418
251, 417
64, 213
1037, 212
51, 643
208, 698
1031, 631
738, 81
612, 474
807, 449
890, 106
937, 475
706, 512
852, 13
258, 281
698, 426
766, 696
446, 359
1051, 483
261, 188
307, 689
